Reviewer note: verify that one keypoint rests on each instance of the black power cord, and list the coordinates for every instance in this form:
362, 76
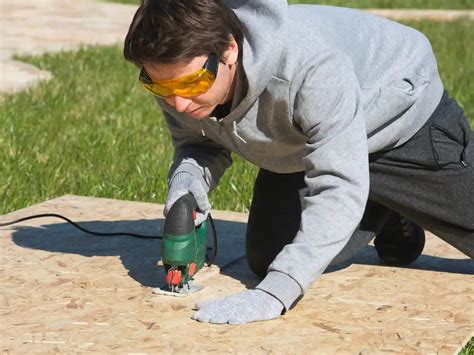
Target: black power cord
209, 260
79, 227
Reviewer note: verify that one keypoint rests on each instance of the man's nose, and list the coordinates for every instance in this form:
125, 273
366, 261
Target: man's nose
180, 103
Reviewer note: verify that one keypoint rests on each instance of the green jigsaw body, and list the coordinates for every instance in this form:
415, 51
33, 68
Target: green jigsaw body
184, 245
180, 251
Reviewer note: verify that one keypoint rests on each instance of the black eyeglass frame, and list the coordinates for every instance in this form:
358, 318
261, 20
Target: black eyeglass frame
211, 64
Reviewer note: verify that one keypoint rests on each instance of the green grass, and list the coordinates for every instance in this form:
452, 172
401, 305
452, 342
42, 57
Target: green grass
393, 4
93, 131
469, 348
90, 131
387, 4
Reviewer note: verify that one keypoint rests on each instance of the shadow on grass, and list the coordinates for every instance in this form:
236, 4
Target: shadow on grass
140, 257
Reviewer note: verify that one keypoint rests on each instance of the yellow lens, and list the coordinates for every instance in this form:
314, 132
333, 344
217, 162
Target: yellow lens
196, 87
157, 90
191, 85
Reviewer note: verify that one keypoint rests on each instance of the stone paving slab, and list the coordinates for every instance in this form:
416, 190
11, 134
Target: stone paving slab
36, 27
16, 75
425, 14
62, 290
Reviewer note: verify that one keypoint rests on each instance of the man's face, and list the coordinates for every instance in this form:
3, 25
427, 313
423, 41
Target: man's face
202, 105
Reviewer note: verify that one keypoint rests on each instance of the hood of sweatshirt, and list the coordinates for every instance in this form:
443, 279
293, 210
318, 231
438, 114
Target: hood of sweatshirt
265, 27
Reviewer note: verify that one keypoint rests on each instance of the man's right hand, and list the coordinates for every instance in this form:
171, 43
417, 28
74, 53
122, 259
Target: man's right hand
182, 184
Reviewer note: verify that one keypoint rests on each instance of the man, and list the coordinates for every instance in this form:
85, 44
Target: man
324, 100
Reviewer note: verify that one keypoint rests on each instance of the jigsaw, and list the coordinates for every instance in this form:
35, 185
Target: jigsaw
184, 248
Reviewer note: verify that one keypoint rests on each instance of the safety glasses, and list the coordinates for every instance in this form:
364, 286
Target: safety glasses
187, 86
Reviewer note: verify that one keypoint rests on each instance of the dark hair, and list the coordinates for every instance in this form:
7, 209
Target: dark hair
170, 31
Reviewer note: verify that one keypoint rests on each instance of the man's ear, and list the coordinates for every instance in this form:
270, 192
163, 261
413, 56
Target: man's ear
230, 56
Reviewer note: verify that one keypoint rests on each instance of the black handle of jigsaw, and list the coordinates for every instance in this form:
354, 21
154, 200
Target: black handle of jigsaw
180, 217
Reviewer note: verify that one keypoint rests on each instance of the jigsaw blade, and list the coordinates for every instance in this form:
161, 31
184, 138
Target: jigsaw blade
176, 291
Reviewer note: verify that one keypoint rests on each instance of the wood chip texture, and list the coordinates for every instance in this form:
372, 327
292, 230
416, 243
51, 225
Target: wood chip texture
62, 290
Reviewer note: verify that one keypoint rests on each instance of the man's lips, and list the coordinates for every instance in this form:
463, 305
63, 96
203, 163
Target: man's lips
191, 111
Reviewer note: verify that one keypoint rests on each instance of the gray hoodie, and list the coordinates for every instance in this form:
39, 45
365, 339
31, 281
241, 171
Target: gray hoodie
318, 88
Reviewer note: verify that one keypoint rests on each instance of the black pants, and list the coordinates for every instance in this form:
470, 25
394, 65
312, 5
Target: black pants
429, 180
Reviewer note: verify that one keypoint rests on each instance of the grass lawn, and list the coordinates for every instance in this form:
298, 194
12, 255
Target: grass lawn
469, 348
388, 4
393, 4
94, 131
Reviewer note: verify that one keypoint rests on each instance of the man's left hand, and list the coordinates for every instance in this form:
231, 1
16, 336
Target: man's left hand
243, 307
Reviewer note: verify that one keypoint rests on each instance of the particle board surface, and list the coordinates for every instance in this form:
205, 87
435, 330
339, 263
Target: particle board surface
63, 290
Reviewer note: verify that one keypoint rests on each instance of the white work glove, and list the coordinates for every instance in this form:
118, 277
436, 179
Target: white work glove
243, 307
182, 184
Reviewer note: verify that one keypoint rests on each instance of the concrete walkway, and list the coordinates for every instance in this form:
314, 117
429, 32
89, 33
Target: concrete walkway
40, 26
36, 27
430, 15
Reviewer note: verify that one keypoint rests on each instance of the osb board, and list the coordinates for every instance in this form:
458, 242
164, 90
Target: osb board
62, 290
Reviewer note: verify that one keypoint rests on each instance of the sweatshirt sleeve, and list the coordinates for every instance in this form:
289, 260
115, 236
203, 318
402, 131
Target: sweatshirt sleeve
196, 154
328, 110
